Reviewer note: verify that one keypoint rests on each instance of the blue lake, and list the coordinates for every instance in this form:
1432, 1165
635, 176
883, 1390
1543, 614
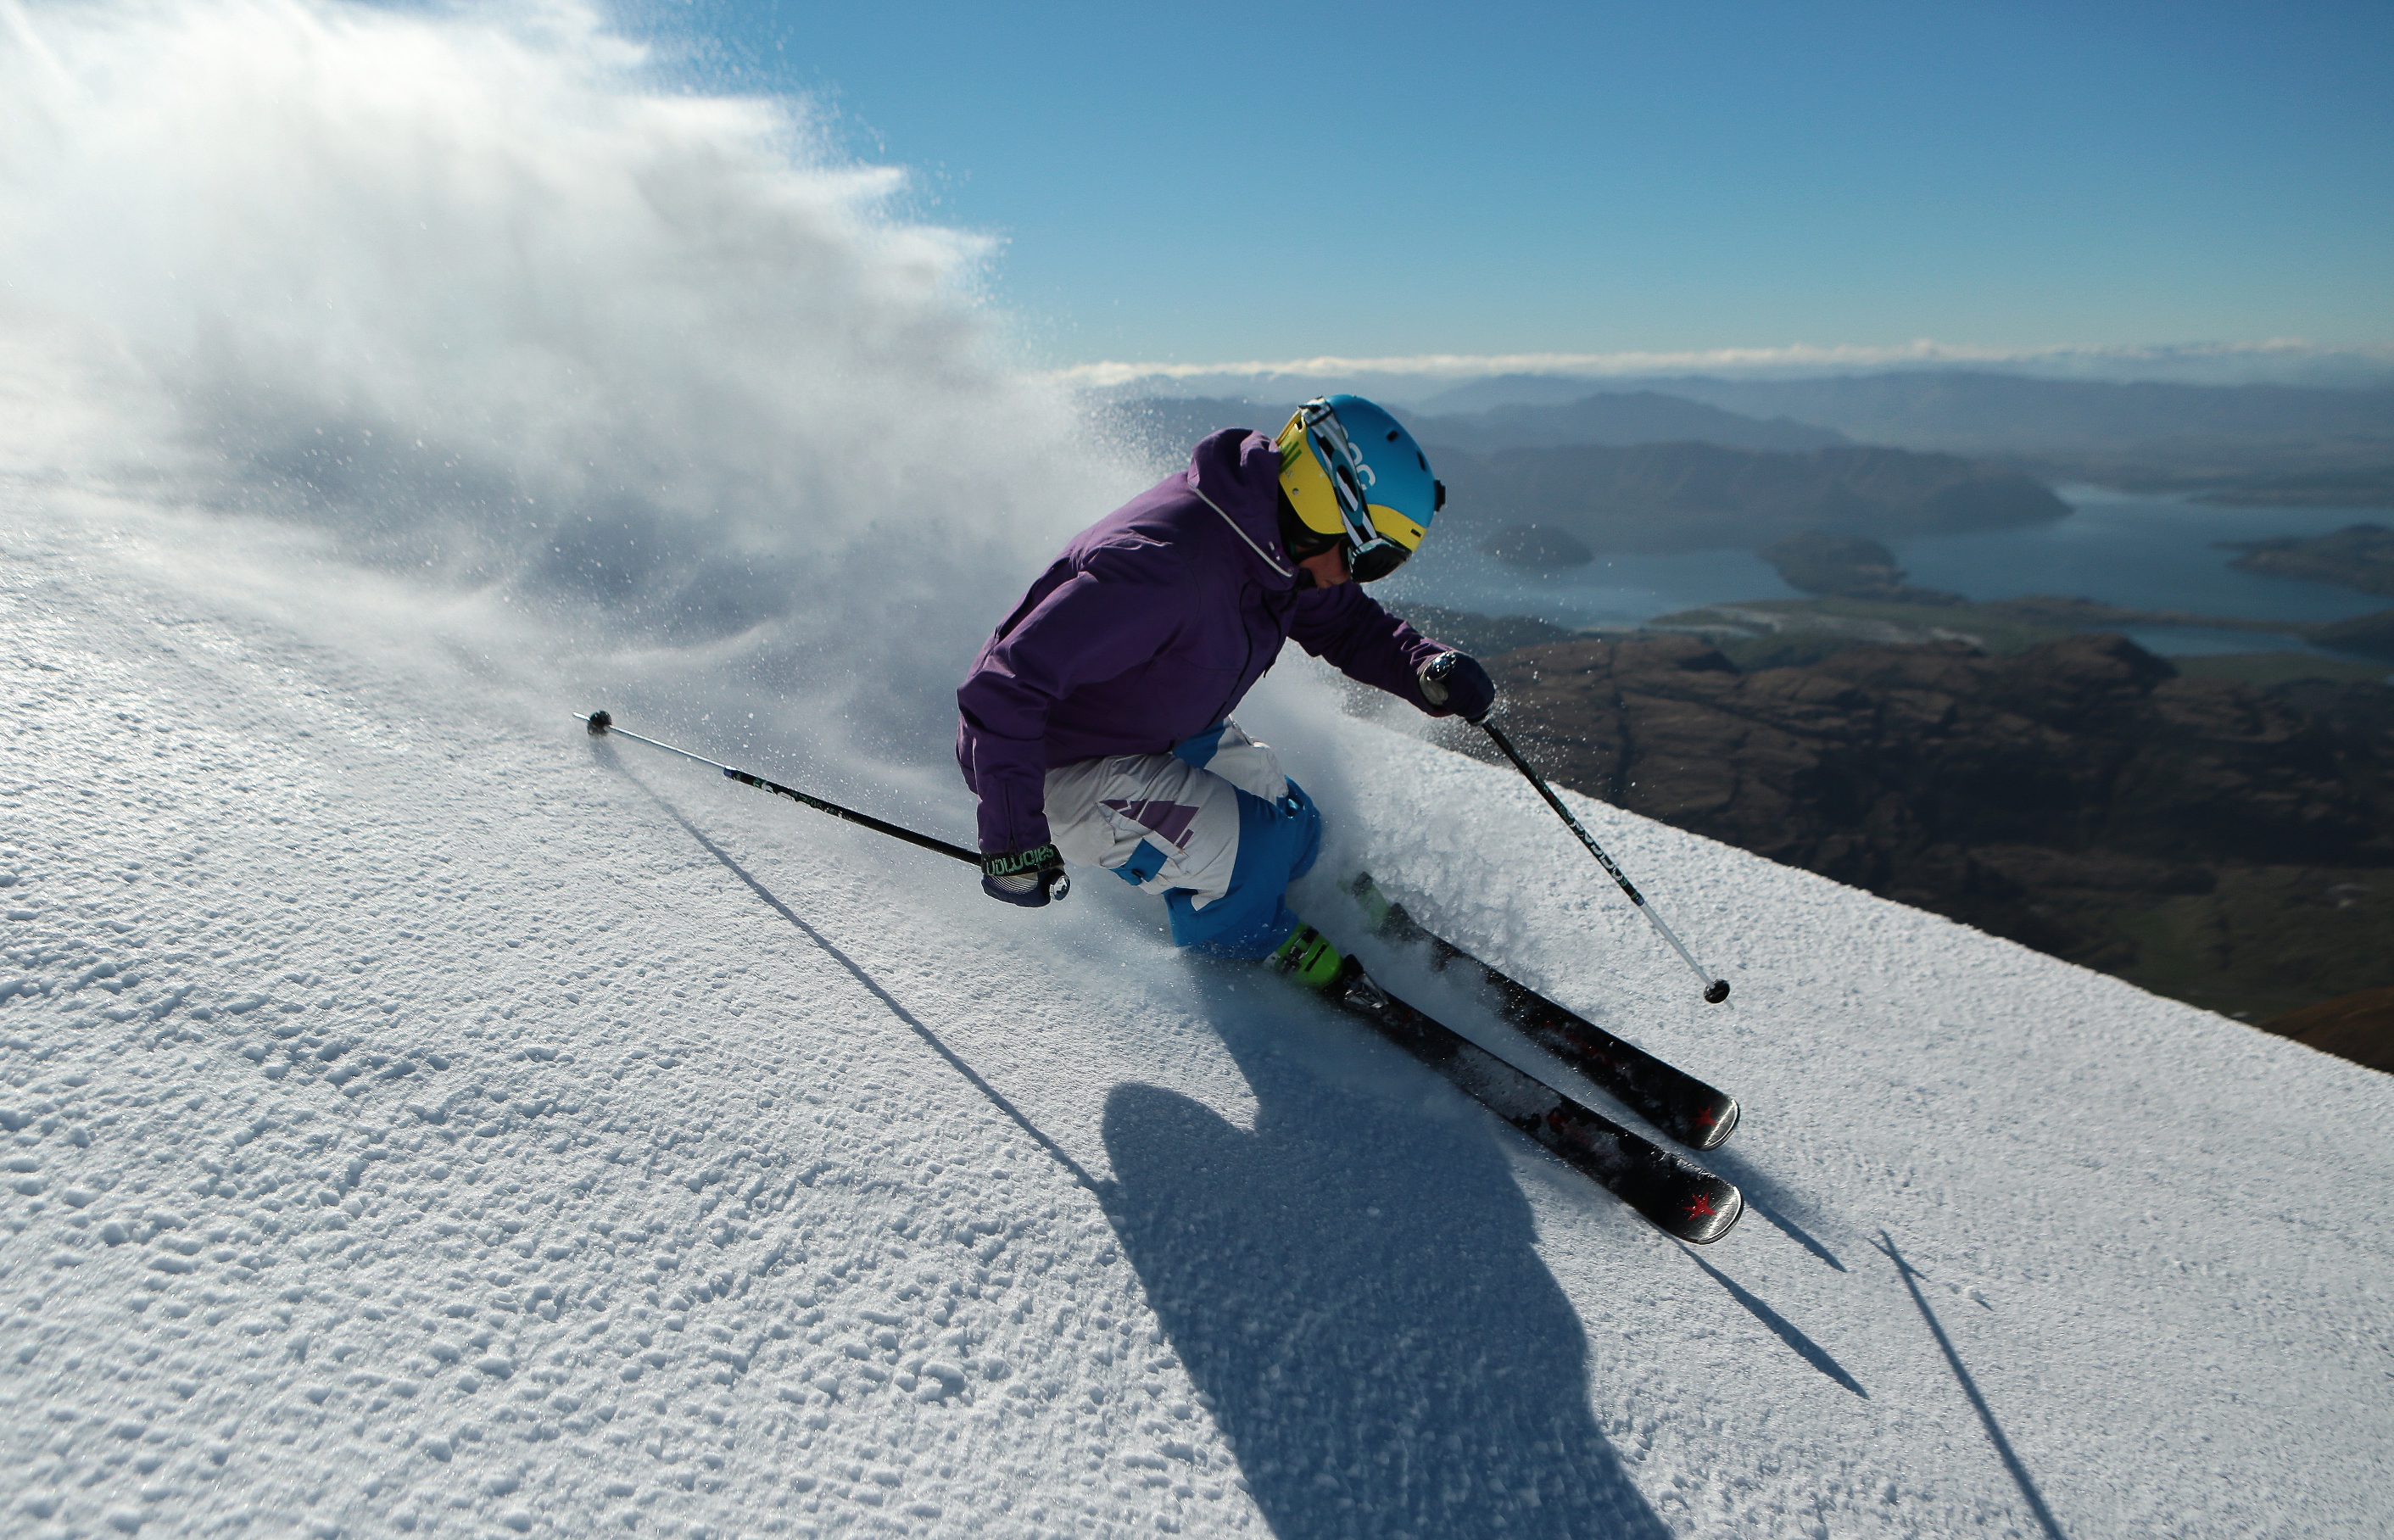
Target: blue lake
2143, 552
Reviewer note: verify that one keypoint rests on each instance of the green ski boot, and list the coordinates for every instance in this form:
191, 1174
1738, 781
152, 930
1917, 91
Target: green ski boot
1309, 958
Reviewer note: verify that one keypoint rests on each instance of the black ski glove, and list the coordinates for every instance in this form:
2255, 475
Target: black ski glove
1456, 681
1025, 877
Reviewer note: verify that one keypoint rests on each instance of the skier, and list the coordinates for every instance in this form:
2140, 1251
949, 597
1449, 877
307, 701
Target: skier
1095, 723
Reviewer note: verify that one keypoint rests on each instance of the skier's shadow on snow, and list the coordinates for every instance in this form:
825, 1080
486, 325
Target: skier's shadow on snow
1354, 1287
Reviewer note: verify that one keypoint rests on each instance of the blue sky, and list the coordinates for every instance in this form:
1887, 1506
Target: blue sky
1240, 182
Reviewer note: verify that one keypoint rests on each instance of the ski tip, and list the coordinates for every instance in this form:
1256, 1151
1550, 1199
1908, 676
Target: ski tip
598, 722
1715, 991
1724, 1123
1711, 1213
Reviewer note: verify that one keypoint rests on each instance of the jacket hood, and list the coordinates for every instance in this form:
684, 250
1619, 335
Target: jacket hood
1237, 470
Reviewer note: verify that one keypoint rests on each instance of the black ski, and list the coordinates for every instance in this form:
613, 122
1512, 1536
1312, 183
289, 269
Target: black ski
1672, 1100
1681, 1199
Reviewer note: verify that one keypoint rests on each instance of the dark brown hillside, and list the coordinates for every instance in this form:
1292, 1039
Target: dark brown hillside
2207, 839
2358, 1026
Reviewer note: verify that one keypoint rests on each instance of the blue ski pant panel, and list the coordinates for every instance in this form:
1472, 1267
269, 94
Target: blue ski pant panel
1277, 844
1213, 827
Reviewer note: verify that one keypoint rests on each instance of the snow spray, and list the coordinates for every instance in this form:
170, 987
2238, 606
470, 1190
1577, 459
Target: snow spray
480, 298
613, 386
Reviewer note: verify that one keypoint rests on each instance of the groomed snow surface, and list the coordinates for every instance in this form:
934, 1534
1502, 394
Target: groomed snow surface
423, 1119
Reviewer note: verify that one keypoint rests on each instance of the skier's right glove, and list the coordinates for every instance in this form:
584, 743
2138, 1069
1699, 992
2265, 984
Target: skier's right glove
1456, 681
1025, 877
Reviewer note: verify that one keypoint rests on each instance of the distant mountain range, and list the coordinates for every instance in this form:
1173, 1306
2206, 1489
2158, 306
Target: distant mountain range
1164, 426
1615, 418
2246, 443
1975, 414
1503, 391
1707, 463
1637, 470
1699, 496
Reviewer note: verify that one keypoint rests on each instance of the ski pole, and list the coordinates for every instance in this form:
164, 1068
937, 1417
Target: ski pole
602, 725
1716, 990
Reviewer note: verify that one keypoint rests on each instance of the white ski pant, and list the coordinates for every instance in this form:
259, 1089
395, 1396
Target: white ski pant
1215, 826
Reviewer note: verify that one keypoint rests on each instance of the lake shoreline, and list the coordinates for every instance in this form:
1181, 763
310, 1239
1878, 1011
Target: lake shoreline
2144, 553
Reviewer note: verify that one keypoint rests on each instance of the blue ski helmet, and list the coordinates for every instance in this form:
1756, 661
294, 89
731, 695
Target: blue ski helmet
1351, 470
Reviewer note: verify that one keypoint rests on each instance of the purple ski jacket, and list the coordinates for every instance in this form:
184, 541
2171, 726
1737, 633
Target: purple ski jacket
1151, 627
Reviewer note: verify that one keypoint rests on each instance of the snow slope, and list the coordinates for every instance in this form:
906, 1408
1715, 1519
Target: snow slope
425, 1117
421, 1117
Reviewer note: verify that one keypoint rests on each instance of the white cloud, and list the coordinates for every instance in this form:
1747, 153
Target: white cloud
2274, 358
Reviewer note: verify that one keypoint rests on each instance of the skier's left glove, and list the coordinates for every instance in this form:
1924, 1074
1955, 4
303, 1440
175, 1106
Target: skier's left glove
1456, 681
1026, 877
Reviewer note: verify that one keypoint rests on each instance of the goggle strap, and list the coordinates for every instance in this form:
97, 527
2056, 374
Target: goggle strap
1336, 454
1326, 437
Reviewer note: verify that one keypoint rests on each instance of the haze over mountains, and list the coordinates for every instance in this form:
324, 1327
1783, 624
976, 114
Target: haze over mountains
1615, 418
1639, 470
1997, 413
2139, 433
1167, 425
1702, 496
2263, 442
2271, 444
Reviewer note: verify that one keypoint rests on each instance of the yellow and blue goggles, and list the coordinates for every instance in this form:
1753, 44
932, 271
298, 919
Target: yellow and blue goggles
1332, 485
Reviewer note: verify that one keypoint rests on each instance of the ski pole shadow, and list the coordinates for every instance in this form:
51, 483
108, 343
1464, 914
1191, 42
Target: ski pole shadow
1785, 1330
872, 985
1355, 1289
2011, 1459
1766, 1197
